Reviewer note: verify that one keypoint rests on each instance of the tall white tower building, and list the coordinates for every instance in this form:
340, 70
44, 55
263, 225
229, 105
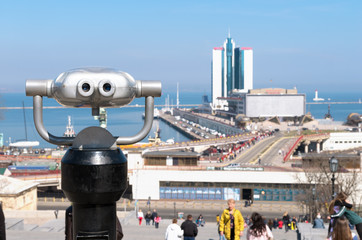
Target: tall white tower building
218, 83
232, 68
246, 68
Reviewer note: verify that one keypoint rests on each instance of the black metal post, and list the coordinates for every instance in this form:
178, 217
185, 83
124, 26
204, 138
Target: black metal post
93, 180
333, 179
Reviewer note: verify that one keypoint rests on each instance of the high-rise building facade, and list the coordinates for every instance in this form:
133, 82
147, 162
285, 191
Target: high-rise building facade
246, 68
232, 68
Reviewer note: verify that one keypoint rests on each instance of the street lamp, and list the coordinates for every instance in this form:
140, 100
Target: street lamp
333, 166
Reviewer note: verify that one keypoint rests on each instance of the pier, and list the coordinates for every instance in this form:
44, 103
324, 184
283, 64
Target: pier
173, 122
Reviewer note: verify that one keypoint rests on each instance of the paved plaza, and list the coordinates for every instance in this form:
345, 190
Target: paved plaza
54, 229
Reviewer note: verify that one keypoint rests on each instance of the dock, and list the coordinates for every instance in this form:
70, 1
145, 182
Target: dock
173, 122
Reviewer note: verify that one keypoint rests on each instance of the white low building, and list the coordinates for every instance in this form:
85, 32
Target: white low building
216, 185
343, 141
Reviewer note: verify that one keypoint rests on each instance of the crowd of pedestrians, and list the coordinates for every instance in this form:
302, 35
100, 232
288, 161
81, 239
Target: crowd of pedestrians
231, 225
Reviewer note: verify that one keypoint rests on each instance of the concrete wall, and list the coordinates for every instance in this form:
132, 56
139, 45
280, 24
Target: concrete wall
26, 200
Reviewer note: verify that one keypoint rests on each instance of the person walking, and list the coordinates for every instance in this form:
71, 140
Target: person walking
200, 221
286, 221
318, 221
157, 221
154, 214
189, 228
173, 231
258, 230
148, 217
231, 222
140, 216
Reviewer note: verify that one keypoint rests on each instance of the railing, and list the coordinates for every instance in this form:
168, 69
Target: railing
287, 156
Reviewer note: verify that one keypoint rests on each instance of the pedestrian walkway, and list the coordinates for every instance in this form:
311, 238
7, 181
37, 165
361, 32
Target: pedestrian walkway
54, 230
208, 232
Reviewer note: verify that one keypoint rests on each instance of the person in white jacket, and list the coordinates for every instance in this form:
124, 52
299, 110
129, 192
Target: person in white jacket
140, 216
174, 231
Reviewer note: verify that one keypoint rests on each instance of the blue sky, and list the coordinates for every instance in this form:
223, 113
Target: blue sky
308, 44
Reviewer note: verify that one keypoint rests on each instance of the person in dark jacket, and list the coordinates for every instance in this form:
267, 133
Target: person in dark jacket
148, 217
190, 228
275, 223
286, 221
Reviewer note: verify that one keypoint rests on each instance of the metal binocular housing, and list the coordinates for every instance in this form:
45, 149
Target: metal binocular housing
94, 170
93, 88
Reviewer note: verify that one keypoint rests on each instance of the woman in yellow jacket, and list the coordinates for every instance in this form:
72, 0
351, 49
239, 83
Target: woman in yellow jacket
231, 222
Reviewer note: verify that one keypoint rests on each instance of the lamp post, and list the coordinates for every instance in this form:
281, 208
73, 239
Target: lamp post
314, 205
333, 165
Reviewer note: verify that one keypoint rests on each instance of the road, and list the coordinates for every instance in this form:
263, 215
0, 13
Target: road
255, 151
272, 155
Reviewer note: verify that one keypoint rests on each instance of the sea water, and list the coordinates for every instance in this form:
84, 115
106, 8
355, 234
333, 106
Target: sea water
127, 121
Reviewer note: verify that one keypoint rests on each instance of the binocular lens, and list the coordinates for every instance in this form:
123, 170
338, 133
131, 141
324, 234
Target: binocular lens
86, 87
107, 87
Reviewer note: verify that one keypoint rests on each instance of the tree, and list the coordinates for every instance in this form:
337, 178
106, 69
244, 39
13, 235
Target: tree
317, 180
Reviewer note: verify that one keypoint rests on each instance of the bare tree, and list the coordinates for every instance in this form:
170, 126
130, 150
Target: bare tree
317, 181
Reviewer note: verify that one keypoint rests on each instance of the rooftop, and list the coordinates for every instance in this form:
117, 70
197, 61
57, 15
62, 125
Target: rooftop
11, 186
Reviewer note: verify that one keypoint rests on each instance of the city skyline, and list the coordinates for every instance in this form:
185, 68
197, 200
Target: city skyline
305, 44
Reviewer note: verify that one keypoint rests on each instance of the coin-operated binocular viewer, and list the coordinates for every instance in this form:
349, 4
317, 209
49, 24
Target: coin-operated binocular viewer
94, 170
